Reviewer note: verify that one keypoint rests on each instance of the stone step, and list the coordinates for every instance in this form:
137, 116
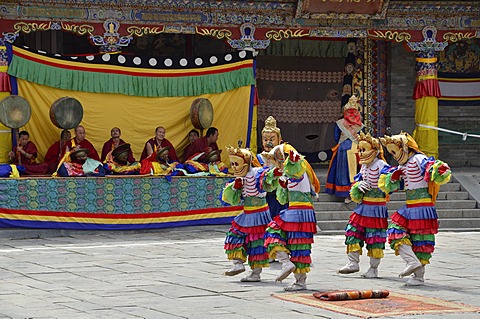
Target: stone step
332, 225
400, 196
393, 205
459, 223
447, 223
442, 213
456, 208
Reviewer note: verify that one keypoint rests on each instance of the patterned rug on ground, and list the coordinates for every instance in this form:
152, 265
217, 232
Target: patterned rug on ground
396, 304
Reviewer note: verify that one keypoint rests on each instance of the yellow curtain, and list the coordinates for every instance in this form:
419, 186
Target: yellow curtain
253, 133
5, 137
426, 112
137, 117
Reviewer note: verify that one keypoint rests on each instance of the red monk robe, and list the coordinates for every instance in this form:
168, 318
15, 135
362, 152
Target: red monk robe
92, 152
172, 155
110, 145
54, 155
198, 146
31, 167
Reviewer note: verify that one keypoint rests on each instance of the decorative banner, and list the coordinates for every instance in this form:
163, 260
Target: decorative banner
113, 203
135, 75
459, 89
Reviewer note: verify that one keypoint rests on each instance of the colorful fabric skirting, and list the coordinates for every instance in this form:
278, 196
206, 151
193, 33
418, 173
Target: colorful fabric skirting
245, 238
292, 231
415, 224
367, 225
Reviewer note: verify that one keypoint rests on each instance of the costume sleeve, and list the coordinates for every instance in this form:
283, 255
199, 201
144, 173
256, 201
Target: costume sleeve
435, 171
385, 182
268, 180
295, 169
355, 194
336, 133
231, 195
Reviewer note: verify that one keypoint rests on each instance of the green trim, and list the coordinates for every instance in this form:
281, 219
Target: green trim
129, 85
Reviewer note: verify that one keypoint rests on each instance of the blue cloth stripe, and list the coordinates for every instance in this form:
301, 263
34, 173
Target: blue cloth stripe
8, 223
253, 219
415, 213
374, 211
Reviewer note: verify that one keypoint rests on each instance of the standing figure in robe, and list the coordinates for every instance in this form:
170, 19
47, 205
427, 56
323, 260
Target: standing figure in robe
271, 137
412, 229
368, 222
193, 135
289, 236
343, 165
245, 238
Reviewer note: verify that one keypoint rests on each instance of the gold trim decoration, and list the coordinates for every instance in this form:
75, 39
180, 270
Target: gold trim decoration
31, 27
391, 35
458, 36
141, 31
426, 60
79, 29
367, 84
216, 33
285, 34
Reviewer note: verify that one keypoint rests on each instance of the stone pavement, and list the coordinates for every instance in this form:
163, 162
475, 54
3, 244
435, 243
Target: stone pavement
177, 273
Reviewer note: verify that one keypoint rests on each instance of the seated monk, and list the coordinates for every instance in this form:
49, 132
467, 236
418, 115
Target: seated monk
114, 142
79, 141
76, 163
203, 145
56, 151
193, 135
213, 166
158, 142
25, 154
158, 164
118, 161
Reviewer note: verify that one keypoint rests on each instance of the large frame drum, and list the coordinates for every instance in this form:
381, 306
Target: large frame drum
201, 113
15, 112
66, 113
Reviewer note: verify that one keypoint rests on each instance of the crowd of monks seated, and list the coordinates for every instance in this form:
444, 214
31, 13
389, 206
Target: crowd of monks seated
78, 157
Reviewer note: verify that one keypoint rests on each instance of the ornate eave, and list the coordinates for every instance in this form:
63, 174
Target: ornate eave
406, 15
271, 20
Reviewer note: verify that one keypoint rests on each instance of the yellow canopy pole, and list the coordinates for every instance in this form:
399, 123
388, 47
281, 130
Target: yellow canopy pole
426, 94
